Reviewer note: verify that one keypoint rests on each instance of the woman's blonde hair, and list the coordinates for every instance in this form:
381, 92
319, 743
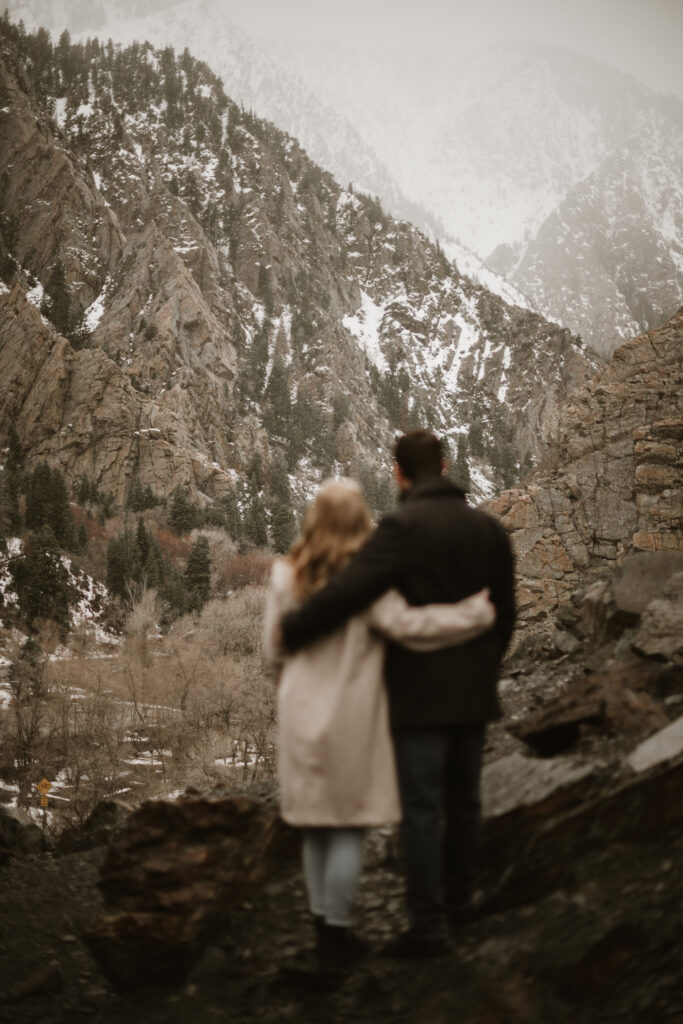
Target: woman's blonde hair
336, 524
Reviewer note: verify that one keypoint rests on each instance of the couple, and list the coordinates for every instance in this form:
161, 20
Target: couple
363, 721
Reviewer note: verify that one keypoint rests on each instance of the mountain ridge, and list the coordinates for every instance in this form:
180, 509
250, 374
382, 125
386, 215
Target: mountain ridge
216, 277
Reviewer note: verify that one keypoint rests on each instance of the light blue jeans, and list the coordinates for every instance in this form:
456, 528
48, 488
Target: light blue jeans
333, 859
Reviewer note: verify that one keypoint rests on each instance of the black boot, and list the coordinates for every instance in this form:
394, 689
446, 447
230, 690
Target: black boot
338, 950
319, 928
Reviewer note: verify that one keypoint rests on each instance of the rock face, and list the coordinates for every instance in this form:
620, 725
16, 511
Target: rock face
610, 483
79, 411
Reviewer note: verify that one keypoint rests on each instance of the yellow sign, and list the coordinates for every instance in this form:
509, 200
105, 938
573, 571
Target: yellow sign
44, 787
43, 801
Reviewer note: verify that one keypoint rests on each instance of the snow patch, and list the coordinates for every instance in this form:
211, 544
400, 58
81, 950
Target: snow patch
35, 295
60, 111
365, 328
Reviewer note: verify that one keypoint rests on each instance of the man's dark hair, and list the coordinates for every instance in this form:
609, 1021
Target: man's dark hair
419, 455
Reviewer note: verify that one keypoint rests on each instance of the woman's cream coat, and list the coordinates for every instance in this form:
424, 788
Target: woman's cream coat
336, 759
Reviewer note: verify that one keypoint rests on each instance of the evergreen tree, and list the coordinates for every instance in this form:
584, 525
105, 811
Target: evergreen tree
264, 289
55, 305
141, 498
14, 460
278, 408
255, 531
47, 502
282, 526
476, 438
142, 541
183, 516
258, 359
42, 581
10, 517
123, 565
172, 592
198, 574
232, 518
282, 522
461, 469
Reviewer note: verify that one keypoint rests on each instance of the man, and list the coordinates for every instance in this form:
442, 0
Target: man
434, 548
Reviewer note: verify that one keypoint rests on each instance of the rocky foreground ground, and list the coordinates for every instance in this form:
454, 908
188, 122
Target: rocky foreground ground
193, 910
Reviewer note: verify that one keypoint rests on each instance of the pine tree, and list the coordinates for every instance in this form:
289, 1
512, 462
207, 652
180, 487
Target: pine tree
47, 502
55, 305
255, 530
142, 541
278, 409
42, 581
123, 566
264, 289
233, 521
282, 522
461, 468
10, 517
172, 592
14, 461
182, 515
258, 359
82, 536
198, 574
476, 438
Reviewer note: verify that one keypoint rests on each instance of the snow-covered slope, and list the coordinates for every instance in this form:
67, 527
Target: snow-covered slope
500, 143
88, 607
608, 262
471, 266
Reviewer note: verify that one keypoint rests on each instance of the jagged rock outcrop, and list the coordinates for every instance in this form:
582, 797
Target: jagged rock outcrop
50, 206
82, 413
611, 479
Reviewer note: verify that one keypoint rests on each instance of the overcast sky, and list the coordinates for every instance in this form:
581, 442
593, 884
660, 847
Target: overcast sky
640, 37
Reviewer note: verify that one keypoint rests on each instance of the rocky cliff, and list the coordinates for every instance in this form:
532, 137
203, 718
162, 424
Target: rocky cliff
610, 482
221, 297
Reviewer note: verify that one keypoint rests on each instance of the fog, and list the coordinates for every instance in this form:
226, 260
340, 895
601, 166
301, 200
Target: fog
639, 37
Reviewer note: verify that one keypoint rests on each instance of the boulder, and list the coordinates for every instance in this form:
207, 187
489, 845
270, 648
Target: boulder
173, 875
665, 745
107, 818
660, 633
614, 700
18, 834
644, 577
537, 853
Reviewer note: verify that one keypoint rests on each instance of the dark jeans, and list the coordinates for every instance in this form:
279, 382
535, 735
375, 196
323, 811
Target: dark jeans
438, 773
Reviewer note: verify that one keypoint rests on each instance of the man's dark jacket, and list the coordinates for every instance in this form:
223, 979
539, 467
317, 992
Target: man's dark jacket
434, 548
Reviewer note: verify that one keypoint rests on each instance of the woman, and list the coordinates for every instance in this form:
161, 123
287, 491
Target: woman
336, 762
